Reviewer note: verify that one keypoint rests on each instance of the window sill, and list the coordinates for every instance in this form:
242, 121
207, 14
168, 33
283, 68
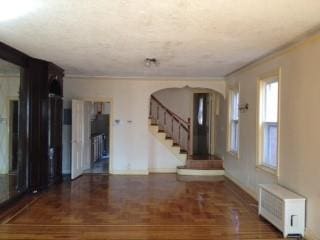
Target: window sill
269, 170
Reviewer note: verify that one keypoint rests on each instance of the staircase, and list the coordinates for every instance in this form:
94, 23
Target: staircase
174, 132
168, 142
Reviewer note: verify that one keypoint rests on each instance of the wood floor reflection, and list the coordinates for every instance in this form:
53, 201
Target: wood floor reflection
8, 186
158, 206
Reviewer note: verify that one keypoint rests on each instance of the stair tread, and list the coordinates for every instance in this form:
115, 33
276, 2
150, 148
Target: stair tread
199, 168
212, 160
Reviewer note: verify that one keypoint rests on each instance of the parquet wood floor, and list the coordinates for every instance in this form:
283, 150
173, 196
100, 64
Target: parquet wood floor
158, 206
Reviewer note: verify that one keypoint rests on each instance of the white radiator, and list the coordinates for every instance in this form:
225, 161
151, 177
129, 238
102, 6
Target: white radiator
283, 208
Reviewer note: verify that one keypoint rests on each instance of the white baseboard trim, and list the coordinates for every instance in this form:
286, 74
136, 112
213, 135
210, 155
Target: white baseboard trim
162, 170
239, 184
309, 235
196, 172
129, 172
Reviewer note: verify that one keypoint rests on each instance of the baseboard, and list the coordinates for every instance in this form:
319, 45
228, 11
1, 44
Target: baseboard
240, 185
309, 235
129, 172
162, 170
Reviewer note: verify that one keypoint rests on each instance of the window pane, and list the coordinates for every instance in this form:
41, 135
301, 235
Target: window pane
235, 105
270, 157
234, 124
234, 136
200, 111
271, 102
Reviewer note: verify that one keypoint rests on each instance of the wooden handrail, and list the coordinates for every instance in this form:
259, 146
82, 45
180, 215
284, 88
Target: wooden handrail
176, 116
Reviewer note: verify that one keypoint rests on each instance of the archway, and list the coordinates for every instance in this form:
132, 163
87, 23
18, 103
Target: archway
191, 117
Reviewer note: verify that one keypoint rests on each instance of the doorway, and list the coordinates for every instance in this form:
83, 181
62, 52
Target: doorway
100, 134
90, 137
201, 124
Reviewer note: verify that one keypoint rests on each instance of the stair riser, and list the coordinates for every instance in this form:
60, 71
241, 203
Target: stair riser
204, 164
194, 172
168, 143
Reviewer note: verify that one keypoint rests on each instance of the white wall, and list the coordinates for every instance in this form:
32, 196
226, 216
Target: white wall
132, 146
220, 120
299, 126
178, 100
107, 108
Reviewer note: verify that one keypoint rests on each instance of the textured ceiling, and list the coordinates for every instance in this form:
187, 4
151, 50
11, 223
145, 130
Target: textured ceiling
190, 38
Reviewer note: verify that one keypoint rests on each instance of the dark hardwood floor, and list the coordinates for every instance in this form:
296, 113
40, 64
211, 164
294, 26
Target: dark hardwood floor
158, 206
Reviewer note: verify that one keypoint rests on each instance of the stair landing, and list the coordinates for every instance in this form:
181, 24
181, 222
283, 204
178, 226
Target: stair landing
202, 165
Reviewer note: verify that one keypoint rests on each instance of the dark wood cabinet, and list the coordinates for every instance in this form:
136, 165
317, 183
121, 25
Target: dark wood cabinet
39, 154
54, 139
45, 162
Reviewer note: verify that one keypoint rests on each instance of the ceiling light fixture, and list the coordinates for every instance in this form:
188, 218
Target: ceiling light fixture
11, 9
149, 62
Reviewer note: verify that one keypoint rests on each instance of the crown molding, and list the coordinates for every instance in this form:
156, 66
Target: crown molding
143, 78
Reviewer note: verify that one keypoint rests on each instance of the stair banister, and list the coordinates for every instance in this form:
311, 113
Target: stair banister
175, 118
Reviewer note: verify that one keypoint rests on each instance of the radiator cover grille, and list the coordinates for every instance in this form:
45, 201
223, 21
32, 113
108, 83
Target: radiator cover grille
272, 204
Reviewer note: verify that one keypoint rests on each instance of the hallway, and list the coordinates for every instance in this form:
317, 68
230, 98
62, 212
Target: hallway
157, 206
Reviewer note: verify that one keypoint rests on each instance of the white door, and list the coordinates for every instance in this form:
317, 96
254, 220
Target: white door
77, 163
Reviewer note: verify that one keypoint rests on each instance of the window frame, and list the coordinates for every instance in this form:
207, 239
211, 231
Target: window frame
233, 122
261, 124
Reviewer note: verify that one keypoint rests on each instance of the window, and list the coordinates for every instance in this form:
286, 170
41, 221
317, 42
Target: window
200, 111
269, 95
234, 122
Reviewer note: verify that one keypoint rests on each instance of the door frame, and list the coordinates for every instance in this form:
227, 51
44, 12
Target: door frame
110, 101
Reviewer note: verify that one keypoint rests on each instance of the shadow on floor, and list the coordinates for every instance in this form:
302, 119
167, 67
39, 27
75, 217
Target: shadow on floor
101, 166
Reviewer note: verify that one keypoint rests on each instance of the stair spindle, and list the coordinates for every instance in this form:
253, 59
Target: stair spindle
157, 113
150, 109
172, 128
183, 141
179, 136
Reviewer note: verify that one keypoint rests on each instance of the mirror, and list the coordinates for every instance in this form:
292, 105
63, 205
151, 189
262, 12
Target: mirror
10, 75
